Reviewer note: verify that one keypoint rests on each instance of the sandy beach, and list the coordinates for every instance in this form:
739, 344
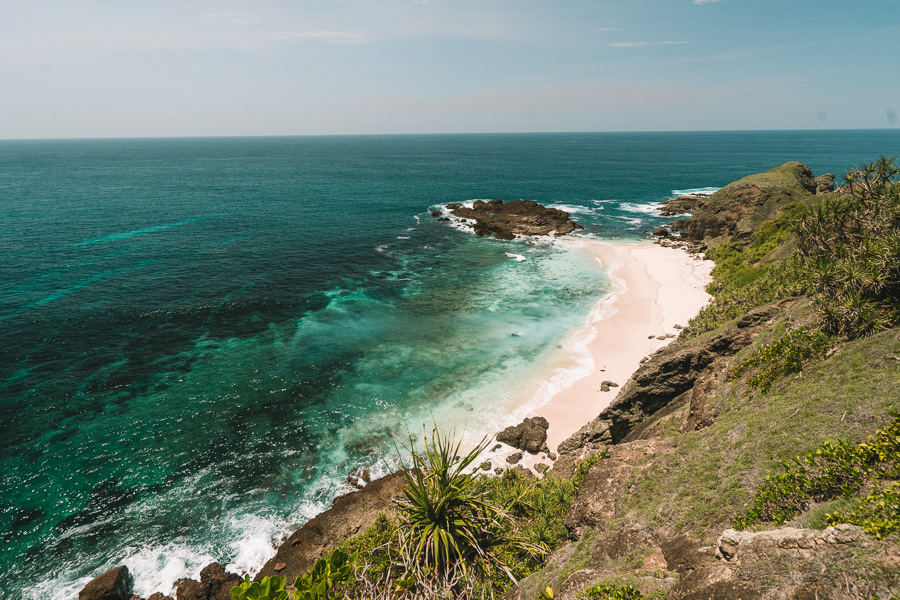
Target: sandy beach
655, 289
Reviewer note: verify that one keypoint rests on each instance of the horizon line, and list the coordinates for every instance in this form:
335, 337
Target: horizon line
423, 134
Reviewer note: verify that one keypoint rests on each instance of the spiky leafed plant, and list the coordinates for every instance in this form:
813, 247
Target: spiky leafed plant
447, 523
850, 246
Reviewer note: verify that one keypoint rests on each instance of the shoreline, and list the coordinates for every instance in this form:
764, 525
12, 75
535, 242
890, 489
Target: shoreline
655, 288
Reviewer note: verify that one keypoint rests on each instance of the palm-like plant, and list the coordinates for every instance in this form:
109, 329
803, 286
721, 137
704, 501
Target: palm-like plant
850, 246
448, 525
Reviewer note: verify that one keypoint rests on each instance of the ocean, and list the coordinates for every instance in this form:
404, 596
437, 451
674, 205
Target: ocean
201, 338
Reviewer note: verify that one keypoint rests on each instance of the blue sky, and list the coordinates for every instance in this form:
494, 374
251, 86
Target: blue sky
117, 68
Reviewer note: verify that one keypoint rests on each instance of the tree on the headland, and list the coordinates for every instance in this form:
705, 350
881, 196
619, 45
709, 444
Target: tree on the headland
850, 246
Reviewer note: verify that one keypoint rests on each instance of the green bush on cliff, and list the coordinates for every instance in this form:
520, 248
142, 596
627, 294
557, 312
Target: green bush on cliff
743, 278
849, 245
270, 588
833, 470
785, 356
610, 592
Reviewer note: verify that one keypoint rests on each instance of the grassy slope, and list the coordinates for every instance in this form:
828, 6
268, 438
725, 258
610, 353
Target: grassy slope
708, 475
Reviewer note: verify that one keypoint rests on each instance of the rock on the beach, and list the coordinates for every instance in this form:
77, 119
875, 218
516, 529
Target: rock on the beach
115, 584
514, 458
530, 435
486, 465
159, 596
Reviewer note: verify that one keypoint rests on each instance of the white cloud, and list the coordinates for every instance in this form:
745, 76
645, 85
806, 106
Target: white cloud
610, 29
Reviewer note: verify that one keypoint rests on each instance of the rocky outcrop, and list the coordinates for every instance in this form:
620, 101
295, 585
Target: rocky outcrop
349, 514
530, 435
506, 220
215, 584
115, 584
824, 183
739, 208
666, 375
682, 205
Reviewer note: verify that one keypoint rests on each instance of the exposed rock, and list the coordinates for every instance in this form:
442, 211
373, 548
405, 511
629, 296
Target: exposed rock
605, 482
669, 373
530, 435
436, 213
551, 455
498, 471
755, 317
505, 220
486, 465
514, 458
541, 468
215, 584
824, 183
496, 447
115, 584
160, 596
592, 437
661, 231
681, 205
348, 515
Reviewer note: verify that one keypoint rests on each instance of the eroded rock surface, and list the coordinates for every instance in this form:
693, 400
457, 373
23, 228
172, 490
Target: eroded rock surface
530, 435
506, 220
115, 584
348, 515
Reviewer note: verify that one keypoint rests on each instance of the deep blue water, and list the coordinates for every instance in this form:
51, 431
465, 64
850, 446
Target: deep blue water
200, 338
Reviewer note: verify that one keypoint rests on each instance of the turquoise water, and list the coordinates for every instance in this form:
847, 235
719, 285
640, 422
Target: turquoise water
200, 338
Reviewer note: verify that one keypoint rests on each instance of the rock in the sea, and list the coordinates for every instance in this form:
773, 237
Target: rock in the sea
661, 232
530, 435
436, 213
159, 596
506, 220
215, 584
115, 584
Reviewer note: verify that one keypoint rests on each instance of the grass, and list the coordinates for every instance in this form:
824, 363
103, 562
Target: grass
709, 475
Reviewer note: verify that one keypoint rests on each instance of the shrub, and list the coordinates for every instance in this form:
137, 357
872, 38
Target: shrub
581, 470
270, 588
611, 592
878, 513
833, 470
850, 246
329, 571
447, 522
783, 357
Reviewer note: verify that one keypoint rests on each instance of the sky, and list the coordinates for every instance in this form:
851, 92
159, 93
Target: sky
118, 68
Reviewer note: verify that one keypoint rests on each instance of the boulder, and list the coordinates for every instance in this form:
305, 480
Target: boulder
115, 584
514, 458
160, 596
215, 584
824, 183
530, 435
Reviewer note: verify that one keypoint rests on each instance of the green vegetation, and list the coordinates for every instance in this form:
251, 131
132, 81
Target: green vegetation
331, 571
448, 521
783, 357
270, 588
747, 276
833, 470
849, 245
878, 513
611, 592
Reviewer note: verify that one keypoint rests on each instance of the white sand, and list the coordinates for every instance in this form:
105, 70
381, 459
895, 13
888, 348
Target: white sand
655, 288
